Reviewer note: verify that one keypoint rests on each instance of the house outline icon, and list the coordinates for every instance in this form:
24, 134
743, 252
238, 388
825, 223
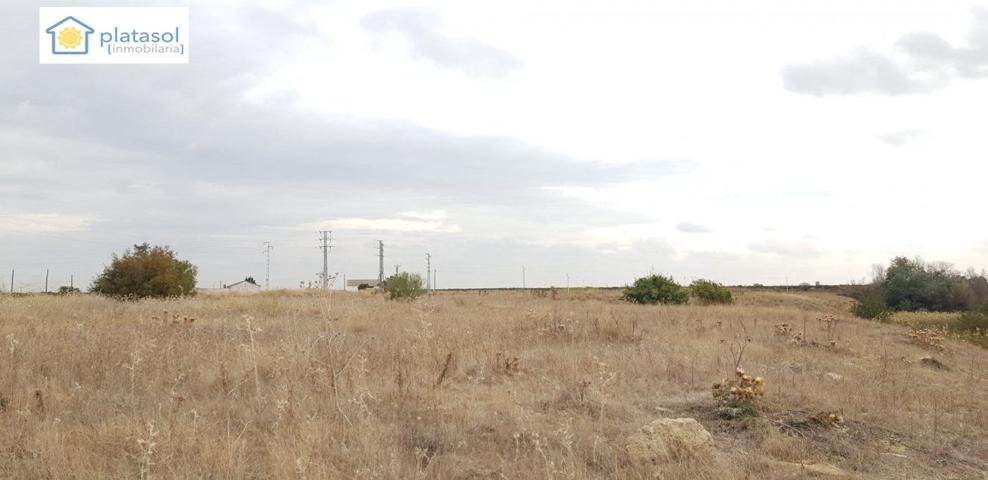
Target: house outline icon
86, 30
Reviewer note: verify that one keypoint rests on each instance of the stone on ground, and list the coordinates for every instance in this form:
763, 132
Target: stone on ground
670, 440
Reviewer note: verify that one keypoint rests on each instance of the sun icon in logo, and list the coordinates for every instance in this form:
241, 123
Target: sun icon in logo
70, 38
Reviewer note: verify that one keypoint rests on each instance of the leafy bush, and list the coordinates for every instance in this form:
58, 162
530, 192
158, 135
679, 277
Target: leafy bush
871, 304
971, 322
711, 292
146, 271
363, 286
656, 289
66, 290
404, 286
914, 285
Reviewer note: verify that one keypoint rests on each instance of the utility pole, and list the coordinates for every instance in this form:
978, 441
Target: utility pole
267, 266
567, 283
46, 280
435, 277
327, 238
12, 281
428, 271
71, 281
396, 269
522, 276
380, 258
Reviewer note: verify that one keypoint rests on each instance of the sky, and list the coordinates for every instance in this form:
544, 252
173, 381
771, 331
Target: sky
746, 142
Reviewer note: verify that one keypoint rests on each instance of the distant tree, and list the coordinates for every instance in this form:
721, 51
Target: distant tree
404, 286
146, 271
363, 286
709, 293
656, 289
912, 284
915, 285
67, 290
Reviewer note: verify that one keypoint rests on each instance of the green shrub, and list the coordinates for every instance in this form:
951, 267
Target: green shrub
363, 286
871, 304
146, 271
404, 286
656, 289
66, 290
971, 322
711, 292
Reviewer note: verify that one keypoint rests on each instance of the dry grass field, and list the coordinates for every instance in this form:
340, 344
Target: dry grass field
470, 386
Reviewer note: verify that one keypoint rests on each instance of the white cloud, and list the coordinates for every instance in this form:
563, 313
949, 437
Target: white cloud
786, 248
900, 138
408, 224
422, 30
43, 223
433, 215
687, 227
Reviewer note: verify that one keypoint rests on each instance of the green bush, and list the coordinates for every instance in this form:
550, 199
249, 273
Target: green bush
404, 286
66, 290
971, 322
871, 304
146, 271
656, 289
710, 293
911, 285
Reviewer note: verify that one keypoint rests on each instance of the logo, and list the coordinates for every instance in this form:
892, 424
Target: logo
114, 35
70, 37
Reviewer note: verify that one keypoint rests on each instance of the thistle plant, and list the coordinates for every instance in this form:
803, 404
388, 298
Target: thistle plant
738, 396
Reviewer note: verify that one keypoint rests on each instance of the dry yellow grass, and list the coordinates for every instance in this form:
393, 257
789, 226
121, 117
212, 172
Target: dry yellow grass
462, 385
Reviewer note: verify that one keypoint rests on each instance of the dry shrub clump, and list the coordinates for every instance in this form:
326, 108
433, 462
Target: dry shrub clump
737, 397
930, 338
827, 323
829, 419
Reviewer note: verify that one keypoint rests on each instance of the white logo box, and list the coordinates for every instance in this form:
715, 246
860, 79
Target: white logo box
113, 35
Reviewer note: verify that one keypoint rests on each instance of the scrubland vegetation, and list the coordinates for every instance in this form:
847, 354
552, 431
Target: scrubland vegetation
458, 386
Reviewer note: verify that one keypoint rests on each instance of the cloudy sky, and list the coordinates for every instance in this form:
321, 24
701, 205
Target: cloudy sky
756, 141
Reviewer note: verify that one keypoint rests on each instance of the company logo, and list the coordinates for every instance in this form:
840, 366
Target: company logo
114, 35
70, 37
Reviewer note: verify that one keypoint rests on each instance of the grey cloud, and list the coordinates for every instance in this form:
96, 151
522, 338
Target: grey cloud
688, 227
190, 121
422, 30
921, 62
861, 71
208, 162
900, 138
